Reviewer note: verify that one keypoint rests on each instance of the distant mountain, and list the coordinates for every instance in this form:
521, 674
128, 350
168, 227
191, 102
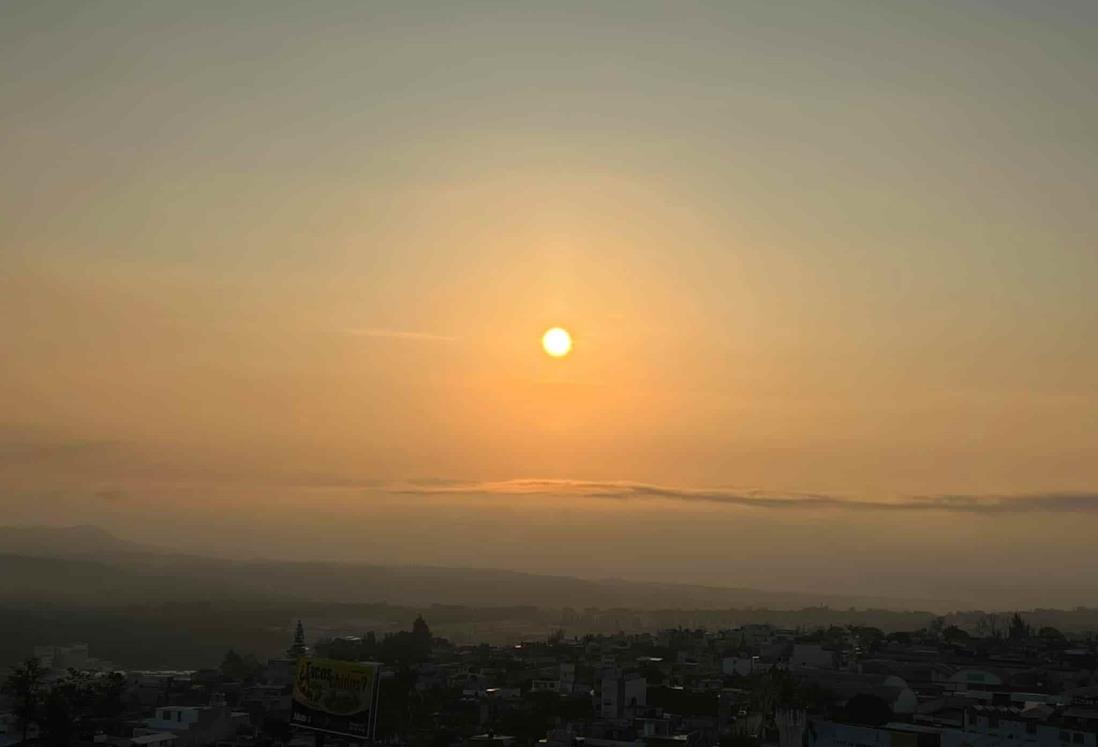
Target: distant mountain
88, 566
59, 542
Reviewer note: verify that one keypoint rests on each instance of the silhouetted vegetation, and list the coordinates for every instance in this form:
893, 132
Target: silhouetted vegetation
867, 710
403, 647
188, 635
72, 707
26, 687
240, 668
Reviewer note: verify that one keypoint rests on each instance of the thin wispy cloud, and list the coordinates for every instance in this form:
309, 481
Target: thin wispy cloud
402, 334
632, 491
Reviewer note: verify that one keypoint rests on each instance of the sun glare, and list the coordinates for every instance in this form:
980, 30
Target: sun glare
557, 342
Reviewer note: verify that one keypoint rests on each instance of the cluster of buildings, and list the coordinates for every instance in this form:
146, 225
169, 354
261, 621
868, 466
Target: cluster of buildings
758, 685
161, 708
71, 656
753, 685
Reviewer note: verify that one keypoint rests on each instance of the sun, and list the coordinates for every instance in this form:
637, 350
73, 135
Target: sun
557, 342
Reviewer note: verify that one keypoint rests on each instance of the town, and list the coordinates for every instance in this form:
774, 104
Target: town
757, 684
548, 373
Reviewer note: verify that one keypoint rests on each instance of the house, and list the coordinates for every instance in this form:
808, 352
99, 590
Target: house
155, 739
194, 725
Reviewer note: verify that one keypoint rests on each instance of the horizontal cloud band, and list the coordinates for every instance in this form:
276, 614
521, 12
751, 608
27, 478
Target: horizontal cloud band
401, 334
611, 490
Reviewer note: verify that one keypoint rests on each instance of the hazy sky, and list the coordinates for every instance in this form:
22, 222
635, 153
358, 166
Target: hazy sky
277, 272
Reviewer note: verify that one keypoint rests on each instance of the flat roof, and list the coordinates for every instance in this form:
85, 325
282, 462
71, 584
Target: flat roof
160, 736
921, 728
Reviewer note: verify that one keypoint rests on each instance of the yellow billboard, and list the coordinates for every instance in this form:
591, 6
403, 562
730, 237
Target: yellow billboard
334, 696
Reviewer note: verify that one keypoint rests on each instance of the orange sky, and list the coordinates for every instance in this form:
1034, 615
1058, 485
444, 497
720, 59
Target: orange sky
257, 258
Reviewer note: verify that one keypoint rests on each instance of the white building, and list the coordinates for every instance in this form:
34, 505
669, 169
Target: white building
1038, 726
194, 725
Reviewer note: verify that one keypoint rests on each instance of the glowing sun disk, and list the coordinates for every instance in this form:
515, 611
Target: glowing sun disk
557, 342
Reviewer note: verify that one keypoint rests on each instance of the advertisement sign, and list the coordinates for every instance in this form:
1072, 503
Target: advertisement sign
334, 696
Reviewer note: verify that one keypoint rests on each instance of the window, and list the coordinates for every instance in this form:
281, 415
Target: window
1077, 737
1031, 727
1065, 737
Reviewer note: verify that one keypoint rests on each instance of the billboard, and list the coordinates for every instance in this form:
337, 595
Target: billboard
334, 696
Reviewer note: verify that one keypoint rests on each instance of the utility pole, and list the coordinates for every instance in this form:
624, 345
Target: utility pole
377, 700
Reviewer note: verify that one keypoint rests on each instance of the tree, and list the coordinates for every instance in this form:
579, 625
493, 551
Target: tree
343, 649
772, 690
26, 687
1051, 634
953, 634
298, 647
421, 637
240, 668
407, 647
1019, 630
64, 703
869, 637
108, 702
867, 710
80, 701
